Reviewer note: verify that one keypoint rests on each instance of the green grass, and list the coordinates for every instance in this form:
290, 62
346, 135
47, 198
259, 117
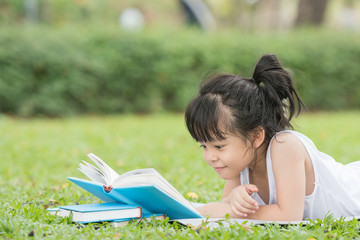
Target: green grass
36, 156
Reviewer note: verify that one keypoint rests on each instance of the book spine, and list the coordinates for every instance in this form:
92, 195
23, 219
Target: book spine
140, 212
107, 188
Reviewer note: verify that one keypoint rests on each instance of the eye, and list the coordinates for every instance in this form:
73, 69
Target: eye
219, 146
203, 146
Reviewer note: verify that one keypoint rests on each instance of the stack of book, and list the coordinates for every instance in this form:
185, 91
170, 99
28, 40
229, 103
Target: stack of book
134, 195
119, 214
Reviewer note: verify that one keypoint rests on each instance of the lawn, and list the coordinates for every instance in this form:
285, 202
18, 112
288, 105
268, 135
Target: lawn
36, 156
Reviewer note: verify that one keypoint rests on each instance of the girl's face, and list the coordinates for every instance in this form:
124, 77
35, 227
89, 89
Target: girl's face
228, 157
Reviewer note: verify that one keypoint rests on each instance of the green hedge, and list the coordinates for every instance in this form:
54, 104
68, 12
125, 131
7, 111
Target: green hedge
58, 72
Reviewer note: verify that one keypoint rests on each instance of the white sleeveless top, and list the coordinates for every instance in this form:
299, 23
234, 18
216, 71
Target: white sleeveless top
337, 186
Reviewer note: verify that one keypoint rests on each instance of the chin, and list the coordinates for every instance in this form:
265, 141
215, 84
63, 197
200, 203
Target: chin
229, 177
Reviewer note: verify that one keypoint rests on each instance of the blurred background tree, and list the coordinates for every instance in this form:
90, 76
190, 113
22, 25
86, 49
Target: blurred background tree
311, 12
243, 14
61, 57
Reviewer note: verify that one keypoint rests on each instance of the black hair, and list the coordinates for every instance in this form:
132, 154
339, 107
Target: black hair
228, 103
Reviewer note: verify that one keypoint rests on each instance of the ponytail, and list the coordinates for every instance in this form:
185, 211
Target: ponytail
277, 92
229, 103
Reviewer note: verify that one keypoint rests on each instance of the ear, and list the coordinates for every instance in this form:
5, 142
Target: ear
258, 137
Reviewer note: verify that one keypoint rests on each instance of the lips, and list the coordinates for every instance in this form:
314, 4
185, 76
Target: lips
218, 169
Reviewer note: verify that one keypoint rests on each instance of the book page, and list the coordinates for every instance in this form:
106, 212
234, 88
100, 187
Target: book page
134, 172
150, 176
148, 172
109, 173
92, 172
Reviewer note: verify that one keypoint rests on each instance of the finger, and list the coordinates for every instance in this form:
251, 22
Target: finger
242, 211
246, 199
251, 188
252, 202
237, 212
244, 191
242, 208
241, 202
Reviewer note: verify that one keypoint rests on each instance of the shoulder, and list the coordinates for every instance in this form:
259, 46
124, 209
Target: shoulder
287, 145
285, 137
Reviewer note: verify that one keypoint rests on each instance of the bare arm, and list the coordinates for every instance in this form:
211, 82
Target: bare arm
229, 186
288, 156
288, 160
221, 209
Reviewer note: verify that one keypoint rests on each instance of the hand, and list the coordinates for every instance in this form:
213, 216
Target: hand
240, 200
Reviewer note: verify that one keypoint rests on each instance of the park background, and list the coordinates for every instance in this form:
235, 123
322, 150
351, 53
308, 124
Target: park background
74, 79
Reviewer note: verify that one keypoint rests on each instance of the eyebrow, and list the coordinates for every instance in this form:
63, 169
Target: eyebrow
214, 141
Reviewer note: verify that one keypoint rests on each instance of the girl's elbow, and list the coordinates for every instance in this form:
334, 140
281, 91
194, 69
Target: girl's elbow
291, 215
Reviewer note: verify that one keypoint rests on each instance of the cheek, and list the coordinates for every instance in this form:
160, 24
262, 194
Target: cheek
240, 158
248, 156
205, 156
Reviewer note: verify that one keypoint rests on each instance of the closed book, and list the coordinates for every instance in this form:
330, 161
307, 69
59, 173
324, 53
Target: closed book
98, 212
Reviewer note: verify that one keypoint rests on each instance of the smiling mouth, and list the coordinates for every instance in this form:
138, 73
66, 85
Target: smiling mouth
218, 169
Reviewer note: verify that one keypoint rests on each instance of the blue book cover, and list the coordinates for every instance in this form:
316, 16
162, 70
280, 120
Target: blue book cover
98, 212
151, 199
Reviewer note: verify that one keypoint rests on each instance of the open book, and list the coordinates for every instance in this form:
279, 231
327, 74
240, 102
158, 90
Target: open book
145, 188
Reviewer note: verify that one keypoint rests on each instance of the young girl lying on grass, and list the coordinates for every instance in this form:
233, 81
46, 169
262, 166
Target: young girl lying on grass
271, 173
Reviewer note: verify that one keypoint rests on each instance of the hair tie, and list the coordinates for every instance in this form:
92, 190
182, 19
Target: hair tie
254, 81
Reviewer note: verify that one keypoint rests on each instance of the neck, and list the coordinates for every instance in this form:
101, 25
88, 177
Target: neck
259, 162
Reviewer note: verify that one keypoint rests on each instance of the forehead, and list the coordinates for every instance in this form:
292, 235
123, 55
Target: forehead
231, 141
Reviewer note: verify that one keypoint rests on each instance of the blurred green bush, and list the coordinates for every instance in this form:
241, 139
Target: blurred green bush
59, 72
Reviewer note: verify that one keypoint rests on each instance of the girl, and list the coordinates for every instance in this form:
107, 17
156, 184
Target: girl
271, 173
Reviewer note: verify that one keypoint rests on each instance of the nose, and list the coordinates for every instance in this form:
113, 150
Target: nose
210, 156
